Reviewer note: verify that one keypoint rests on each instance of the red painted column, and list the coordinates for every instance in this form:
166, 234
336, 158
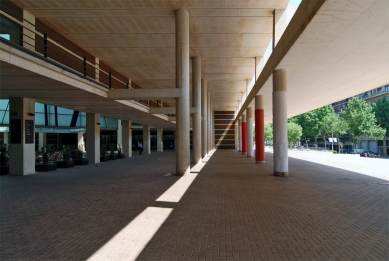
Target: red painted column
259, 130
244, 135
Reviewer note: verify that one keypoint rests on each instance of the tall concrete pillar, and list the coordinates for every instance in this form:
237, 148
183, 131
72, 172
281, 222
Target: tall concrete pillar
196, 101
6, 138
127, 138
244, 135
22, 136
93, 137
159, 139
280, 123
42, 139
80, 141
146, 139
204, 105
259, 130
119, 133
28, 30
249, 131
240, 133
182, 82
209, 123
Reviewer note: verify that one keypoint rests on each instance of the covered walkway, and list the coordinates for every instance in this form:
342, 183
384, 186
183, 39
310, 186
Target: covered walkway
233, 210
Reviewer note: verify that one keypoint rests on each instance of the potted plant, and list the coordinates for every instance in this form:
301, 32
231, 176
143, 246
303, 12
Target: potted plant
43, 160
79, 159
66, 161
120, 154
112, 155
4, 160
103, 154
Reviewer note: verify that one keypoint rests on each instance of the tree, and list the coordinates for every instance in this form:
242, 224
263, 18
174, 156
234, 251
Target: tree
360, 119
294, 132
312, 122
268, 132
381, 111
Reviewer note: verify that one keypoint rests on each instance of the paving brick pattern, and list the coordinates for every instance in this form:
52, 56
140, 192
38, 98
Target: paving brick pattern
234, 210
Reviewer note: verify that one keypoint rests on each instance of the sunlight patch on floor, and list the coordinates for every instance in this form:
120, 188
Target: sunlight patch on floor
378, 168
178, 189
131, 240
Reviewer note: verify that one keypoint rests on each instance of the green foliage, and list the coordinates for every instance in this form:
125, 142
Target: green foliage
112, 148
45, 152
381, 111
79, 152
103, 151
268, 132
360, 119
294, 132
4, 157
66, 153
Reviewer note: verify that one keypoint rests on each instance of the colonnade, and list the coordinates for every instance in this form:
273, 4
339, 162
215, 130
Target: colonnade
280, 127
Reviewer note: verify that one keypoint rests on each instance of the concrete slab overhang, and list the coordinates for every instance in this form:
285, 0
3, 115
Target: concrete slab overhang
331, 50
22, 75
144, 94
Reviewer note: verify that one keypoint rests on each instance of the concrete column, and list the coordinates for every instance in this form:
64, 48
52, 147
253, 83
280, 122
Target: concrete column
259, 130
209, 123
236, 135
119, 133
240, 133
280, 24
28, 31
146, 139
183, 103
196, 101
80, 141
97, 71
127, 138
249, 131
22, 136
159, 139
42, 139
280, 123
93, 137
204, 105
244, 135
6, 138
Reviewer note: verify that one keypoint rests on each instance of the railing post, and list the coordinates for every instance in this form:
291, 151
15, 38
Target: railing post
21, 36
110, 80
45, 44
127, 85
84, 65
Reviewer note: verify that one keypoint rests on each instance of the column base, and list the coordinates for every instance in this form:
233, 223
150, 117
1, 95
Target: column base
281, 174
248, 156
244, 153
260, 162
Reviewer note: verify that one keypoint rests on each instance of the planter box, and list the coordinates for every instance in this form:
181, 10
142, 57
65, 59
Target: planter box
113, 157
122, 156
104, 159
80, 162
65, 164
48, 167
4, 171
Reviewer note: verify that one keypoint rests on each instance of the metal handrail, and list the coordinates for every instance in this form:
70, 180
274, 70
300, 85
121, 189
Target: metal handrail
75, 58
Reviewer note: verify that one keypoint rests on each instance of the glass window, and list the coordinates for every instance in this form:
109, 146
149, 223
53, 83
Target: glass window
10, 30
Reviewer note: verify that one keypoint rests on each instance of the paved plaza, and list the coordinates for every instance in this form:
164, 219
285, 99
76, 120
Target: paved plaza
232, 210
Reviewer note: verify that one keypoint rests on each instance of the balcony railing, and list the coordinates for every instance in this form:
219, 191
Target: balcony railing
39, 43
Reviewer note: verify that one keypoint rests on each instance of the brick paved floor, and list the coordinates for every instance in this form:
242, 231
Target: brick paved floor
234, 210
